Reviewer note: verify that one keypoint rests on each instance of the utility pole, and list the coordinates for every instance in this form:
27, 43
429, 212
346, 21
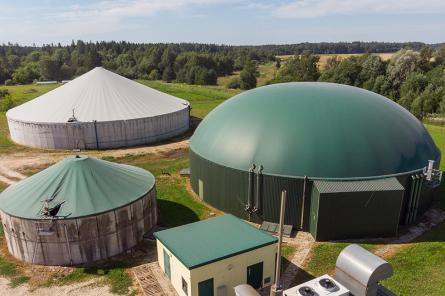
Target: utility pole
276, 289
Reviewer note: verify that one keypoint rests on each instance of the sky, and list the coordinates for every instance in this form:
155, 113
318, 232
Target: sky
236, 22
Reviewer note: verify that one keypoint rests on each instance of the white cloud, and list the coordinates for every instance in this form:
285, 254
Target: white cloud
109, 16
319, 8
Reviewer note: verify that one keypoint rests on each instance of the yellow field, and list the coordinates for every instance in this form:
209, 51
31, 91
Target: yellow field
325, 57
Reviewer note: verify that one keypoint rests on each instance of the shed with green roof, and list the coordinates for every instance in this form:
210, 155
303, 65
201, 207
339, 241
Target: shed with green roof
80, 210
217, 254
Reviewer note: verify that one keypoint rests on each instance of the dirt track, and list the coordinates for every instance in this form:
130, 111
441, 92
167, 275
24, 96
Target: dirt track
12, 164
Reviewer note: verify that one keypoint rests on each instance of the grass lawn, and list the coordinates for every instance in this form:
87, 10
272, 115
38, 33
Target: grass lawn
420, 269
267, 72
202, 98
323, 258
176, 205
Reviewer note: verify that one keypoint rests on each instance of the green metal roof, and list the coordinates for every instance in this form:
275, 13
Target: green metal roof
387, 184
85, 185
314, 129
210, 240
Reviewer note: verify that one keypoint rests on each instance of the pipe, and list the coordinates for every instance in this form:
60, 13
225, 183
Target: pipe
416, 193
250, 189
276, 288
303, 201
95, 133
410, 199
68, 245
419, 193
259, 179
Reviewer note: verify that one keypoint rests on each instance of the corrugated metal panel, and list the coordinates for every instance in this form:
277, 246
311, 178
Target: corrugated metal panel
227, 189
100, 135
387, 184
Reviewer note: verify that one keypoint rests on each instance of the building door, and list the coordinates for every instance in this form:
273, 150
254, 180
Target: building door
255, 275
205, 288
167, 265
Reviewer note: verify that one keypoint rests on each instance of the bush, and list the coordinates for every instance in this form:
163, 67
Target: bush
9, 82
234, 83
6, 101
154, 75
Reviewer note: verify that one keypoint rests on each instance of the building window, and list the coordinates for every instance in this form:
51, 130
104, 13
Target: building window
184, 286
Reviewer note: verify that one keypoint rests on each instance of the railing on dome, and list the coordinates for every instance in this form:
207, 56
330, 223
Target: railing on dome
433, 177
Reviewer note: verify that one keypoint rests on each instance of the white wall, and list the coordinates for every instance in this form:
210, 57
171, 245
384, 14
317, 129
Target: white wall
230, 272
178, 270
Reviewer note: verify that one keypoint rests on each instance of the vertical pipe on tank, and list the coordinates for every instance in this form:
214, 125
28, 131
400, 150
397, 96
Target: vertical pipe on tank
416, 189
419, 193
95, 134
250, 188
259, 179
410, 199
303, 201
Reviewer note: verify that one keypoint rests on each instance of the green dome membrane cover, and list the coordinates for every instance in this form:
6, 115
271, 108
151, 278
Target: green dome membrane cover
314, 129
86, 186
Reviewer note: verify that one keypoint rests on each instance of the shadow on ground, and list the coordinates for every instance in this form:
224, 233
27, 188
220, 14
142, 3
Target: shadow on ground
177, 214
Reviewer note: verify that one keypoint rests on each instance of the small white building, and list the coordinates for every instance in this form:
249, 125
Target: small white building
211, 257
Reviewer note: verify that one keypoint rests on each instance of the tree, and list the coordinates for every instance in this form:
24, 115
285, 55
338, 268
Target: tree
27, 73
6, 101
302, 67
248, 76
49, 68
371, 68
168, 75
154, 75
345, 72
411, 89
234, 83
402, 64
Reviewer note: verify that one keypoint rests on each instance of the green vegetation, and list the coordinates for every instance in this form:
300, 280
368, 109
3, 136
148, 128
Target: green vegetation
113, 274
7, 268
420, 268
413, 79
19, 280
188, 63
203, 99
177, 206
324, 256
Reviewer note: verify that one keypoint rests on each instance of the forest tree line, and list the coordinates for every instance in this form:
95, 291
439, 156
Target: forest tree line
191, 63
414, 79
188, 63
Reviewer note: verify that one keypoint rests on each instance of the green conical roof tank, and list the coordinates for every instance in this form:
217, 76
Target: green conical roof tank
319, 130
82, 185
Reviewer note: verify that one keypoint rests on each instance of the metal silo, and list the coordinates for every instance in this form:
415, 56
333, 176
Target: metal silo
288, 136
79, 210
98, 110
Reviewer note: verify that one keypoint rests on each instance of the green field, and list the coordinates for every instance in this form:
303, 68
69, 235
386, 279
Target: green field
266, 72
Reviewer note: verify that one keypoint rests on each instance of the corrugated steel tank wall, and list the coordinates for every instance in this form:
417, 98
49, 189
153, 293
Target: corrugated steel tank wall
100, 135
82, 240
228, 189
